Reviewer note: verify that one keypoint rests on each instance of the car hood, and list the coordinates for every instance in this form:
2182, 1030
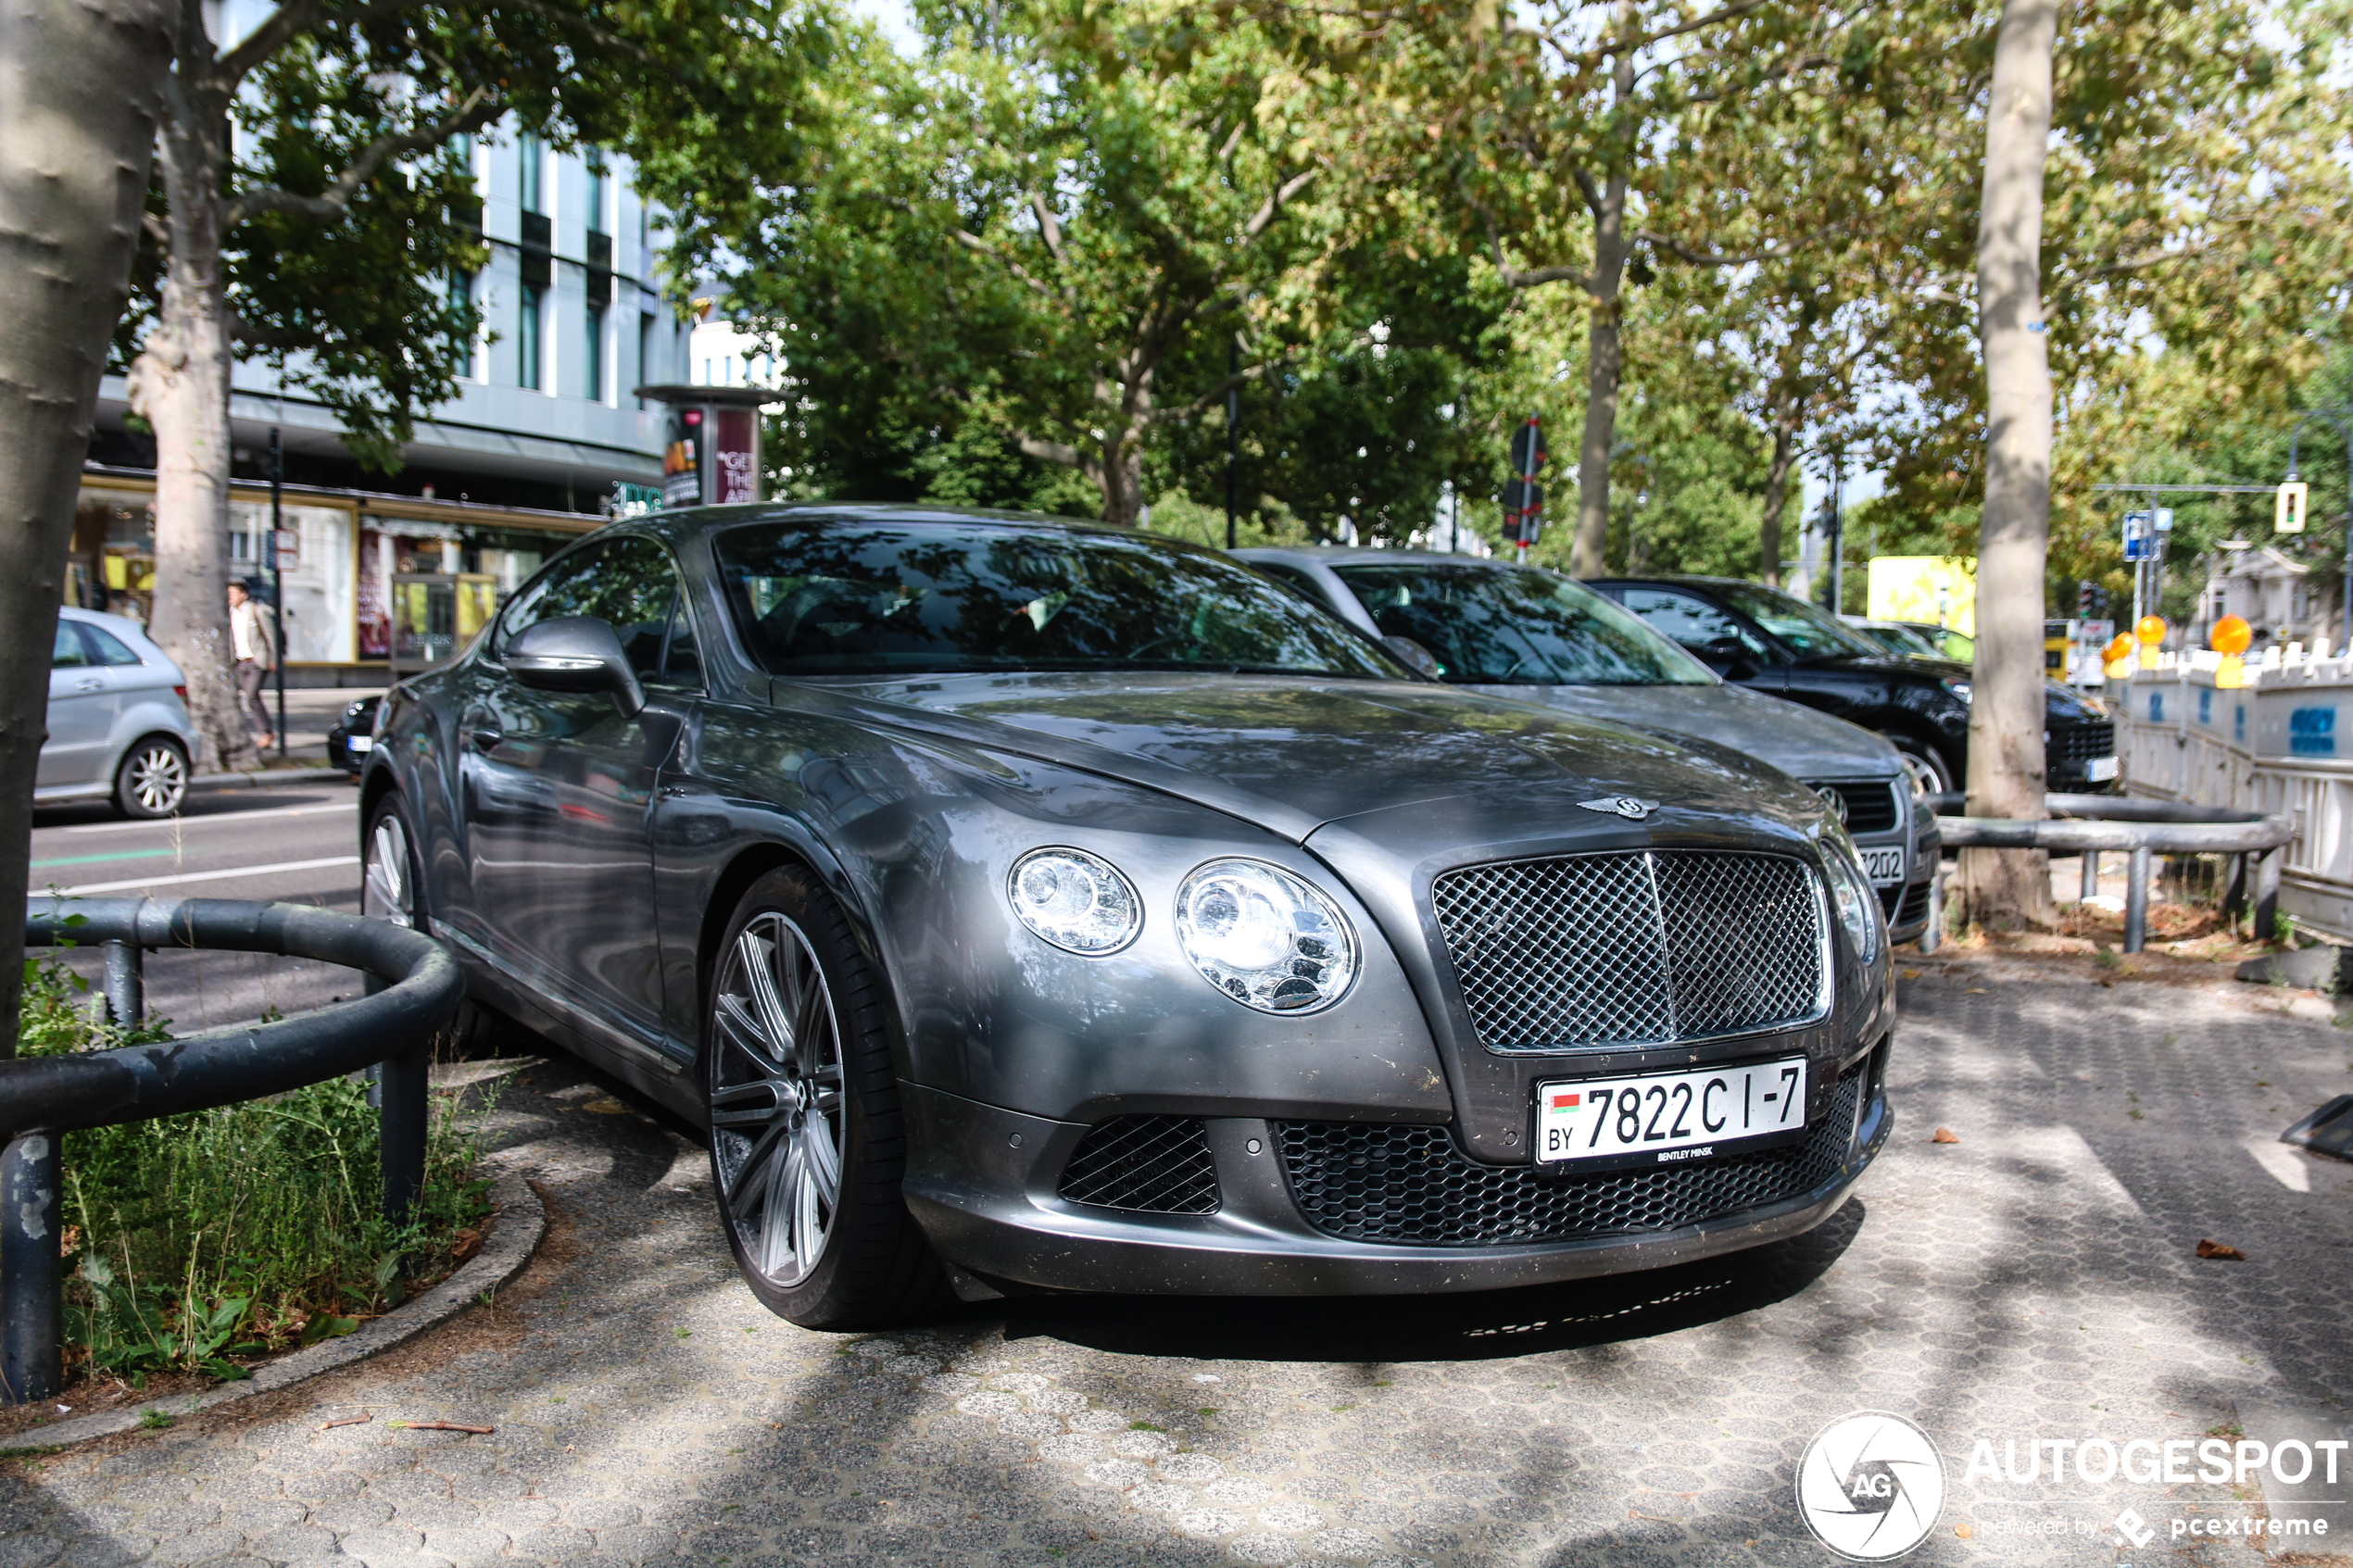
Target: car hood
1293, 754
1799, 741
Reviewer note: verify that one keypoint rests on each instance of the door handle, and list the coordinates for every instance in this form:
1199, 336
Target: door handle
481, 738
90, 685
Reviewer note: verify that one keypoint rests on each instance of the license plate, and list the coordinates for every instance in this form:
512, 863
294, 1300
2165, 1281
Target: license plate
2099, 770
1884, 867
360, 743
1669, 1118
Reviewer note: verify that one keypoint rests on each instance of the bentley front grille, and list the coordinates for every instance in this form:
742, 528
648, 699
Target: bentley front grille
1642, 949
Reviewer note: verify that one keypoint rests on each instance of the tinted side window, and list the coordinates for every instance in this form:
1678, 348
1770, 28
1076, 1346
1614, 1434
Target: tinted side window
630, 584
66, 653
1688, 620
105, 647
1293, 578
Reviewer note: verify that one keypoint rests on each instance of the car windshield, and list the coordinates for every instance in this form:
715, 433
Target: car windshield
1809, 632
826, 597
1520, 626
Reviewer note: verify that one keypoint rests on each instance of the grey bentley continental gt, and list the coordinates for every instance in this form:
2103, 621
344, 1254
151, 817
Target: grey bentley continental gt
1029, 904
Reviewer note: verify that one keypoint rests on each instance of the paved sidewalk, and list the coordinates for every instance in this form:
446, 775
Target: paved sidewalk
2035, 1280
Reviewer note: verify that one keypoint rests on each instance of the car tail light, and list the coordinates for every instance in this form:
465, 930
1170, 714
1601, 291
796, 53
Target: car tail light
179, 692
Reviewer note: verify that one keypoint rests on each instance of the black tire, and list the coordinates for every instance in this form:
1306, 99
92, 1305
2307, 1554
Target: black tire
151, 782
388, 846
1928, 763
781, 1111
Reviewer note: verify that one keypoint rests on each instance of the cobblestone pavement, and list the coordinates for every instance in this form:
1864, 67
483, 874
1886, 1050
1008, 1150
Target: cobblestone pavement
2037, 1279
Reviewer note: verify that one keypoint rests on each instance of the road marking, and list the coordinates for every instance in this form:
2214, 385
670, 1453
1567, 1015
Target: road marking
137, 883
93, 859
218, 817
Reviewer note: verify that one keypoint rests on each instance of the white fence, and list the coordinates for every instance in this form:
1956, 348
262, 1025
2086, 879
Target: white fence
2281, 742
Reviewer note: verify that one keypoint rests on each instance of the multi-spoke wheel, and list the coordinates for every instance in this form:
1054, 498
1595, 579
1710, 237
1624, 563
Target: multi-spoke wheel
807, 1140
153, 779
389, 891
388, 882
776, 1099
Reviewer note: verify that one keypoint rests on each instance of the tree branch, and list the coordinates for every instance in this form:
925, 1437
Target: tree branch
1682, 252
478, 110
1273, 206
1049, 228
972, 242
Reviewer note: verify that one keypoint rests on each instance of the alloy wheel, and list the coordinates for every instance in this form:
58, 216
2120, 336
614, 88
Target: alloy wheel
385, 891
159, 779
776, 1119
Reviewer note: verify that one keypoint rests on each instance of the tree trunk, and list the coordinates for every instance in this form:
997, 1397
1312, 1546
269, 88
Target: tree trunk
179, 385
1769, 533
2006, 888
1588, 555
80, 84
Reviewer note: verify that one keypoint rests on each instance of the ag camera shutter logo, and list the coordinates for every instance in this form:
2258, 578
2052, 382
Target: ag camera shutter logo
1871, 1485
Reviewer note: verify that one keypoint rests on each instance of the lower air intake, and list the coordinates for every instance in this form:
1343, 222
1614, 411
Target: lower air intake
1146, 1164
1410, 1187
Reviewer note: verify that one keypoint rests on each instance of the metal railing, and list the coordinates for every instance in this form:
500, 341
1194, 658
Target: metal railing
414, 989
2088, 825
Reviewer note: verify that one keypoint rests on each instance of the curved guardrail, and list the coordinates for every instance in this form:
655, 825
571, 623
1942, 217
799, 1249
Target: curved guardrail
415, 987
2088, 825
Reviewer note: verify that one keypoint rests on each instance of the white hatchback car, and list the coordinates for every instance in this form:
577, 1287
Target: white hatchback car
117, 719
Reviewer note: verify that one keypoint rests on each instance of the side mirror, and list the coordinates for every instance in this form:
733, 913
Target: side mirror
579, 654
1730, 655
1413, 656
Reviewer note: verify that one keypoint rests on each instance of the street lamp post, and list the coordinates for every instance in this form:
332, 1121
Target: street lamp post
2338, 417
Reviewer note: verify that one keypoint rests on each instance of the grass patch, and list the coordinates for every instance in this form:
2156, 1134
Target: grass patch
195, 1242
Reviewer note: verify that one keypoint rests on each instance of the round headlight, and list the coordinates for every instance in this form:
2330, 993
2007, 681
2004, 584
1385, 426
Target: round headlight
1850, 893
1265, 937
1077, 901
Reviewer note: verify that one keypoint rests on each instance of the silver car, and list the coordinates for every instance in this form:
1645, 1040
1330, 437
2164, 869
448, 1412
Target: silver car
117, 719
1525, 633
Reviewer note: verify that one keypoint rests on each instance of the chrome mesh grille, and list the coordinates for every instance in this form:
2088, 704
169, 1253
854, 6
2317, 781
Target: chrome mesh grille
1632, 949
1410, 1187
1872, 805
1149, 1164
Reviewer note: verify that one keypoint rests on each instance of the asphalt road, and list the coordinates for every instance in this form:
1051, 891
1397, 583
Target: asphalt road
299, 842
2035, 1282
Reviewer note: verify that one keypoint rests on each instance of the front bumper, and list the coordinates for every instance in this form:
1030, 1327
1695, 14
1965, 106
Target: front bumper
982, 1181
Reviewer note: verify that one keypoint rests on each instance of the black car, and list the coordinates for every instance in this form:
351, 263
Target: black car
1770, 641
354, 734
1023, 903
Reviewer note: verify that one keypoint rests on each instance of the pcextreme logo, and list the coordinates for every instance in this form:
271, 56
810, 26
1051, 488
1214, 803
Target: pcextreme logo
1871, 1485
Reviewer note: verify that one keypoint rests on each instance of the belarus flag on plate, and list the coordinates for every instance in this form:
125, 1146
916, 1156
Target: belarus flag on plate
1567, 1102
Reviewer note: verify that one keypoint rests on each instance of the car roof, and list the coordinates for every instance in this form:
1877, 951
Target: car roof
701, 520
1682, 581
119, 625
1355, 554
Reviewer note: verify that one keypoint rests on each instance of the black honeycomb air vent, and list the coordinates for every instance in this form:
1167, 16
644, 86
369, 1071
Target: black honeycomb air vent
1147, 1164
1410, 1187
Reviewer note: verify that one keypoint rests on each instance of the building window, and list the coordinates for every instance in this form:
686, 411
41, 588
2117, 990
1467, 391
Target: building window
596, 365
461, 294
645, 353
527, 340
531, 155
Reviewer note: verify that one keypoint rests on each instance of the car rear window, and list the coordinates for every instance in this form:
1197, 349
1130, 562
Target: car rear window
1519, 626
824, 597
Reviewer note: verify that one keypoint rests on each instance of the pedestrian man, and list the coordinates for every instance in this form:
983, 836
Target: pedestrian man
255, 655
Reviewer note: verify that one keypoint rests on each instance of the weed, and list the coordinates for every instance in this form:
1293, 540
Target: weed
216, 1234
155, 1421
684, 1333
1144, 1426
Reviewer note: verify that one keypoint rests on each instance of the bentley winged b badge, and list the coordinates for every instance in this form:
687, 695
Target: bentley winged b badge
1624, 806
